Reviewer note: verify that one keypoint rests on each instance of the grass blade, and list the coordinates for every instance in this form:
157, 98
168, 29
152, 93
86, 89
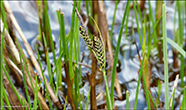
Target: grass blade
6, 100
152, 99
176, 46
76, 54
12, 85
117, 52
139, 33
24, 81
127, 100
70, 66
159, 92
48, 30
183, 106
1, 71
65, 103
181, 27
88, 98
1, 58
113, 20
139, 80
71, 42
48, 63
166, 76
47, 93
145, 87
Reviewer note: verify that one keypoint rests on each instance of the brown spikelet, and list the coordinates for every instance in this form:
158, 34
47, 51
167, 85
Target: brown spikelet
86, 38
99, 51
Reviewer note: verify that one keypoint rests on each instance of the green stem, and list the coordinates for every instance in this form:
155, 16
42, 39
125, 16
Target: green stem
166, 76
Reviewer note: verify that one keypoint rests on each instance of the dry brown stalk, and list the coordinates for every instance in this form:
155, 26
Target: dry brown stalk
174, 87
39, 95
103, 26
175, 64
91, 29
13, 36
93, 82
11, 103
11, 93
9, 42
69, 86
158, 14
14, 52
175, 61
141, 5
94, 63
160, 52
13, 68
147, 72
31, 54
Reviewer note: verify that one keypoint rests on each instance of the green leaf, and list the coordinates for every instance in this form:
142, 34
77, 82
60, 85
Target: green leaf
176, 46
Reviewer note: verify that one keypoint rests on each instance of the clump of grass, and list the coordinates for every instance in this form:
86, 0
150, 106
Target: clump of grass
99, 51
71, 58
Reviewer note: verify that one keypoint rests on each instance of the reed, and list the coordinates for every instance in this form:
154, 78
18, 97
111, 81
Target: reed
166, 77
159, 92
69, 58
6, 99
117, 52
88, 98
12, 85
47, 93
180, 39
183, 105
1, 55
25, 85
77, 58
138, 84
1, 70
127, 100
113, 20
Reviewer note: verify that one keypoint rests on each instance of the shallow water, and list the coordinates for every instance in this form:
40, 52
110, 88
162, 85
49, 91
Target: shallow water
26, 15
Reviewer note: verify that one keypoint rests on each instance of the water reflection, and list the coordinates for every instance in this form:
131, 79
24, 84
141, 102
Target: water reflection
26, 15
